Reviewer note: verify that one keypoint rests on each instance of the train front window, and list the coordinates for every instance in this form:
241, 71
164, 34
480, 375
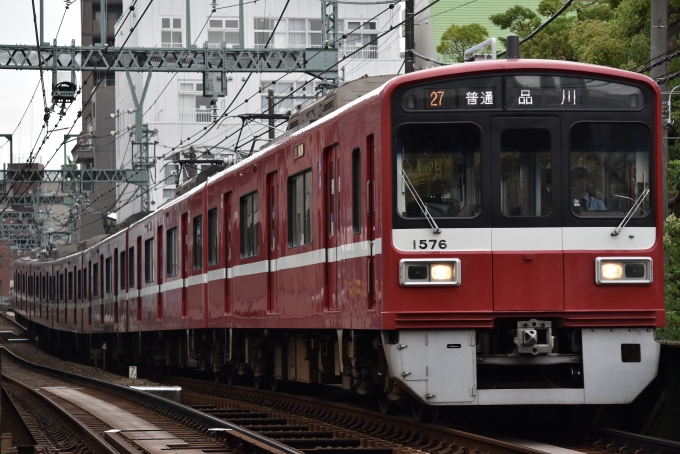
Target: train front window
526, 170
609, 169
443, 163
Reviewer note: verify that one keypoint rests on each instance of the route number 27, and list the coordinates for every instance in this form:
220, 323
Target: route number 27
429, 244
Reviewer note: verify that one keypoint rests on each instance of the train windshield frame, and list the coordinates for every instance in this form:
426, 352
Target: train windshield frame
505, 161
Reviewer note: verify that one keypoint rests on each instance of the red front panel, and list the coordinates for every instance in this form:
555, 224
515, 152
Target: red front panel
528, 281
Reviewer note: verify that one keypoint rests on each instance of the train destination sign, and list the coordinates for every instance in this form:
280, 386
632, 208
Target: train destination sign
524, 92
470, 98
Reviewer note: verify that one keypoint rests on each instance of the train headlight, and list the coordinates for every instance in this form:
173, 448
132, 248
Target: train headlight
623, 270
429, 272
442, 272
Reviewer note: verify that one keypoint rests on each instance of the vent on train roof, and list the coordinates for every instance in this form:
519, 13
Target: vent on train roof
328, 105
293, 124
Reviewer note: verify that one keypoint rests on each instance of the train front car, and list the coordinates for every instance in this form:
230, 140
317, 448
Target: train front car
524, 264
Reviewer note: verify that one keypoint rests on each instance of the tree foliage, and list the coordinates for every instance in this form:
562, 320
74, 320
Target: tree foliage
456, 39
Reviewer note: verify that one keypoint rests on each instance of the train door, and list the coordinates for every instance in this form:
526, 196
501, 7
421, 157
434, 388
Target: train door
370, 224
159, 272
272, 242
331, 222
526, 222
185, 262
227, 242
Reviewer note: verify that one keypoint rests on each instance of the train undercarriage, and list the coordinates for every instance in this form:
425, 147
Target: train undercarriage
517, 362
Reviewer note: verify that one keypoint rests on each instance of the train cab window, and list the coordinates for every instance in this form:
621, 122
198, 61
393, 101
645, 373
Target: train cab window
131, 267
148, 260
300, 209
212, 237
122, 270
95, 279
171, 257
249, 225
526, 169
442, 162
108, 275
609, 169
198, 242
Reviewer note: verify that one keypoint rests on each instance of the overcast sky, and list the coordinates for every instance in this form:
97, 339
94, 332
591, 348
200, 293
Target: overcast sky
18, 86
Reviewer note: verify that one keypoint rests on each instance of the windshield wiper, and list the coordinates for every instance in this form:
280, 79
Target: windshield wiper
420, 202
630, 212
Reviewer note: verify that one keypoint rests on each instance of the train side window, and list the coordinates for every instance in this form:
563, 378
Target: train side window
356, 190
61, 287
249, 225
148, 260
122, 270
212, 237
109, 274
198, 242
171, 257
300, 209
95, 279
526, 170
80, 281
86, 288
70, 285
43, 288
131, 267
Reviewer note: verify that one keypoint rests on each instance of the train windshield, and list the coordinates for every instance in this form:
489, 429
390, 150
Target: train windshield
609, 169
443, 163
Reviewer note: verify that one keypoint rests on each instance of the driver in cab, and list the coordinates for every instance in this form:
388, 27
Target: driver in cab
584, 197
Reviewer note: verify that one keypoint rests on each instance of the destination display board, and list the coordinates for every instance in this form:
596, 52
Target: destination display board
523, 92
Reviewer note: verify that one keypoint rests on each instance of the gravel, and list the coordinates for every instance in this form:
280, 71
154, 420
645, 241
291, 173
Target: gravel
30, 353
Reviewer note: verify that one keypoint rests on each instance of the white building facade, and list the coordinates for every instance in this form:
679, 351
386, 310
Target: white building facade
175, 106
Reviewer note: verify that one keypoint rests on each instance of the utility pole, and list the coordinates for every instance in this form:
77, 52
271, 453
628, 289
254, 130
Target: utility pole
102, 21
410, 44
658, 48
270, 98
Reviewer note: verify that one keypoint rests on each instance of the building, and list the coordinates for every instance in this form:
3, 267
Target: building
175, 107
94, 147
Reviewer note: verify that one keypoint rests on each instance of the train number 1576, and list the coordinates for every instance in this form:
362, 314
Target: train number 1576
429, 244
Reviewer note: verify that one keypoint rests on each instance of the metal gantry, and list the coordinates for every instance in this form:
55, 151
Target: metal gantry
214, 64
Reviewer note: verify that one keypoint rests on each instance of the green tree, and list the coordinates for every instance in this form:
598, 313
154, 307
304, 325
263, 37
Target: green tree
456, 39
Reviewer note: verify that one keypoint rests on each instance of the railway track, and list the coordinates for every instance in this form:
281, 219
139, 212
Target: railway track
69, 413
375, 428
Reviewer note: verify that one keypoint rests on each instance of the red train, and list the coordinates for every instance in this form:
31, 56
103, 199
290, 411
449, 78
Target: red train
477, 234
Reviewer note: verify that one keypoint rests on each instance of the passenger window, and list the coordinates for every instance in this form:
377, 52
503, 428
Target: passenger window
122, 270
609, 169
148, 260
212, 237
131, 267
171, 257
70, 285
356, 190
300, 209
198, 242
443, 163
80, 282
95, 279
249, 225
108, 278
526, 172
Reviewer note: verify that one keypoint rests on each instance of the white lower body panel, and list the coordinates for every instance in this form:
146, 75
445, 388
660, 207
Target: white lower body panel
439, 367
